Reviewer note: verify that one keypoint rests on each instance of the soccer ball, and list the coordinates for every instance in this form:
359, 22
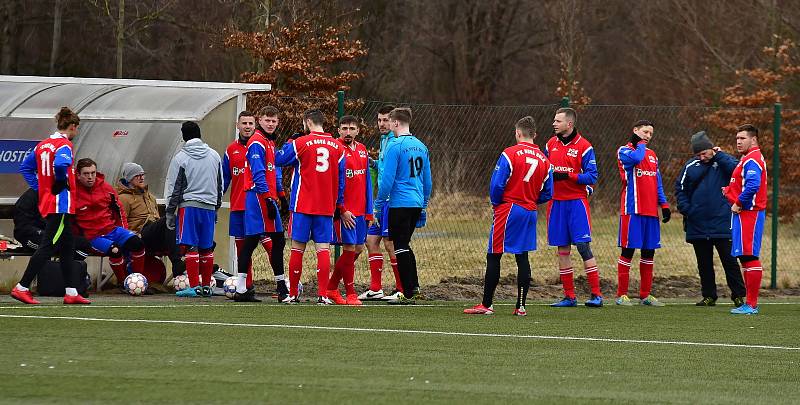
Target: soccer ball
180, 282
229, 287
135, 284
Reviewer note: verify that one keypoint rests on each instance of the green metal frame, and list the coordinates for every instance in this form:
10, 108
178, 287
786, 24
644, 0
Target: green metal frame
776, 174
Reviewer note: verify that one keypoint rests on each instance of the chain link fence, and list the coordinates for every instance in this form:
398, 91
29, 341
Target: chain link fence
465, 142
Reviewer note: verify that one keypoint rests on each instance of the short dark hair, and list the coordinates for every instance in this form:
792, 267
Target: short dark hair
66, 117
268, 111
85, 162
315, 115
749, 128
350, 119
245, 113
402, 114
642, 123
526, 125
386, 109
571, 115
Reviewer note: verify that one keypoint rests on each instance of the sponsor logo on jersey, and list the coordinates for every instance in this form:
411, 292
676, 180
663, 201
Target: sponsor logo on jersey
648, 173
270, 166
238, 170
563, 169
572, 152
652, 159
362, 153
350, 173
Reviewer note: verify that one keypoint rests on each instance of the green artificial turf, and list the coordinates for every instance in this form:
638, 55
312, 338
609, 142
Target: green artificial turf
83, 361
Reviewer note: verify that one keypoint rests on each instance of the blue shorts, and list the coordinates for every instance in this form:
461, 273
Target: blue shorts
236, 224
513, 229
382, 228
305, 227
354, 236
195, 227
568, 222
747, 228
256, 221
639, 232
117, 236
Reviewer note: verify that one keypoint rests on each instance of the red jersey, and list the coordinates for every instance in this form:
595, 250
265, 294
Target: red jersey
521, 177
357, 185
94, 215
51, 154
233, 165
261, 174
318, 178
642, 190
748, 186
575, 158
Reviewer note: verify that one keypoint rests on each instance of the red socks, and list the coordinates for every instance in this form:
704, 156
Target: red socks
752, 281
568, 282
193, 268
336, 276
118, 267
593, 276
398, 285
207, 267
295, 270
323, 271
375, 268
267, 244
349, 271
646, 274
137, 261
623, 275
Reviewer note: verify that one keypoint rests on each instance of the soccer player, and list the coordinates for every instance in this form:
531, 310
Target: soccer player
405, 185
379, 230
350, 229
521, 180
747, 194
101, 220
49, 170
642, 195
317, 191
568, 217
194, 192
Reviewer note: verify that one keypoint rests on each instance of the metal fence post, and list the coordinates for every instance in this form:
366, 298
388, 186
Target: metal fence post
337, 250
776, 174
564, 102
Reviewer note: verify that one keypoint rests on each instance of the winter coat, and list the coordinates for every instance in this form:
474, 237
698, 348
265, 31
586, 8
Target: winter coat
698, 189
97, 209
139, 206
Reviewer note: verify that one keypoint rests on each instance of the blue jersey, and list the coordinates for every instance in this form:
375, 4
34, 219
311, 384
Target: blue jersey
406, 175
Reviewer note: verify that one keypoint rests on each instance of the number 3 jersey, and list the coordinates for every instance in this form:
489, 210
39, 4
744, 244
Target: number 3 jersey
318, 178
522, 176
51, 160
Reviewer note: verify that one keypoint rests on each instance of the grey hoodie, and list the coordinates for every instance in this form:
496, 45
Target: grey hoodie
194, 179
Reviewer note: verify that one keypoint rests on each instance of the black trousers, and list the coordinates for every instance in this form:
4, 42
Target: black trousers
402, 222
57, 239
704, 251
158, 238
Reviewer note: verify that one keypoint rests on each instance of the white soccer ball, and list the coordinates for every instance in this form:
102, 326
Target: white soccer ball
180, 282
135, 284
229, 287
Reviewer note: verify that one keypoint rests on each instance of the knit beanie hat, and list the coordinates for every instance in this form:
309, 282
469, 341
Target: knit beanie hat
700, 142
131, 170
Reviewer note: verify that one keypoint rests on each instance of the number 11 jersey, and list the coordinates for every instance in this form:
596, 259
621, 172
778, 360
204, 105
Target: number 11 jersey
318, 178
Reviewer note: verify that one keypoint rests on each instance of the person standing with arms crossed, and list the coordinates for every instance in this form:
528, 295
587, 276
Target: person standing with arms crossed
49, 169
405, 185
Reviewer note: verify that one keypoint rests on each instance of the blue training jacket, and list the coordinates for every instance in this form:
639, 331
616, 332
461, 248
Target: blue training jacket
405, 177
706, 212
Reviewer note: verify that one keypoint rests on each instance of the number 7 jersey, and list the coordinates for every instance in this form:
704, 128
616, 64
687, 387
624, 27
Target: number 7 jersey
521, 177
318, 178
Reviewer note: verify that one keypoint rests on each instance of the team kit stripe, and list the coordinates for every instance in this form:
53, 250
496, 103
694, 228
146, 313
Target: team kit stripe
499, 228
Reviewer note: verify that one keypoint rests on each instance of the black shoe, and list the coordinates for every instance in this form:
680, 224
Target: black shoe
738, 302
707, 302
149, 291
282, 290
247, 296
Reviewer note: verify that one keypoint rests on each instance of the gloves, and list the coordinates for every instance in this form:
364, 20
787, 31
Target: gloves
665, 214
272, 211
284, 205
423, 218
635, 139
558, 176
59, 186
113, 204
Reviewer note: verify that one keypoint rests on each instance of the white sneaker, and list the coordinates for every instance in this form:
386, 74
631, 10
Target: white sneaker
292, 299
395, 295
370, 295
325, 301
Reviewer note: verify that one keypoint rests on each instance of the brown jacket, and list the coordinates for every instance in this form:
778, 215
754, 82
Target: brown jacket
140, 207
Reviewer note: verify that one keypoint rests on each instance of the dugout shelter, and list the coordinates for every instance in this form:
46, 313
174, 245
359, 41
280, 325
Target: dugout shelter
122, 121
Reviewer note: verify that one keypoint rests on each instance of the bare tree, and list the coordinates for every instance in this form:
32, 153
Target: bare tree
57, 12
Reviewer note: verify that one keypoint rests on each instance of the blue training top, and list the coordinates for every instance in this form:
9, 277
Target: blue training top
405, 178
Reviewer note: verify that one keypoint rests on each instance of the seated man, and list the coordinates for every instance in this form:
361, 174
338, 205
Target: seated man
141, 210
100, 220
29, 225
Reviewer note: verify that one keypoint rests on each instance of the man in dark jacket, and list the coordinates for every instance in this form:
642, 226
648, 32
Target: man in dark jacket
707, 216
29, 225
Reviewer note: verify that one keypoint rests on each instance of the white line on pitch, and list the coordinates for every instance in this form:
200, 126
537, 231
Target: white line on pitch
406, 331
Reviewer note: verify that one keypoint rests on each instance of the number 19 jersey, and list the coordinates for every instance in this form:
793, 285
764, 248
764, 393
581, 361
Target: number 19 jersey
318, 178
